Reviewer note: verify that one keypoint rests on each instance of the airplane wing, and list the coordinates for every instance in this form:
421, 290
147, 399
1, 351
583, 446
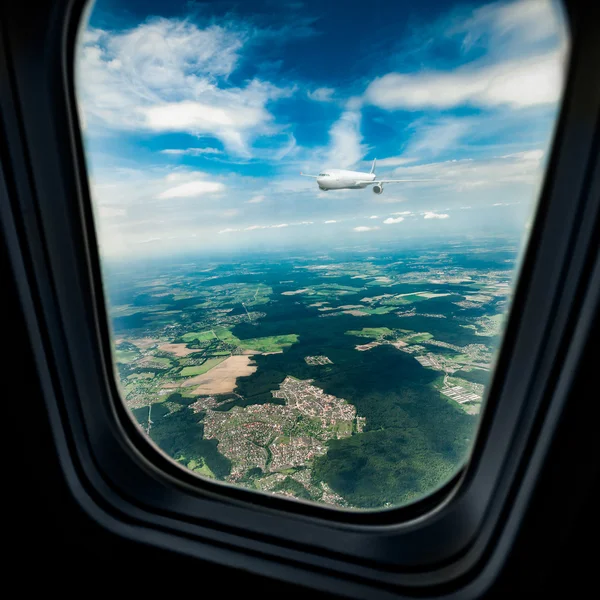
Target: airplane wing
380, 181
305, 175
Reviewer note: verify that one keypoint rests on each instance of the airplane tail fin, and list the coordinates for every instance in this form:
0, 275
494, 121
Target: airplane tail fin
373, 166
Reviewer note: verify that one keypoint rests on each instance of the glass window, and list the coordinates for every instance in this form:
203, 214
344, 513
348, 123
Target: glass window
330, 344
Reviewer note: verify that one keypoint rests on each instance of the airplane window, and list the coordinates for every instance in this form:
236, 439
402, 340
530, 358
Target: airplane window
330, 342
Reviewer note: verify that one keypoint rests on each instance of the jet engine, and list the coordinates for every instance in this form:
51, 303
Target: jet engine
378, 189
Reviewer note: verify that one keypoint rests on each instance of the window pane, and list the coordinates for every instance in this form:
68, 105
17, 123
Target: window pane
288, 313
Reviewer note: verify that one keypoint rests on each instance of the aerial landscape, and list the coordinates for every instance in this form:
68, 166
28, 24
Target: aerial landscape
310, 218
352, 378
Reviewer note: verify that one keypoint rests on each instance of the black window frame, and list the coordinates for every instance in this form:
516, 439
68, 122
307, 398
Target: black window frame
451, 540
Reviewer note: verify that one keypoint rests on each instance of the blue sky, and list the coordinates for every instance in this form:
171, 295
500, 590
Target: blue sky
199, 116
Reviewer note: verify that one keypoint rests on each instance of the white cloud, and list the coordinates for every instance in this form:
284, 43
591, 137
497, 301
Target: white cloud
289, 149
434, 215
91, 35
278, 226
183, 175
191, 151
163, 50
197, 117
403, 213
323, 94
192, 188
363, 228
374, 217
165, 75
515, 83
394, 161
345, 147
256, 199
391, 220
122, 189
354, 103
433, 138
516, 69
533, 155
520, 168
182, 223
511, 24
330, 221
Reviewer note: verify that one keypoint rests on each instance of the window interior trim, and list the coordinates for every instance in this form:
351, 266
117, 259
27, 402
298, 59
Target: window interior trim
128, 487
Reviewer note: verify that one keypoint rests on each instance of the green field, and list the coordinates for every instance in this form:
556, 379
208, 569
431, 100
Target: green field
226, 336
274, 343
200, 336
380, 310
262, 295
203, 368
200, 467
333, 290
160, 361
468, 385
403, 300
429, 295
371, 332
138, 376
343, 428
126, 356
461, 358
492, 325
416, 338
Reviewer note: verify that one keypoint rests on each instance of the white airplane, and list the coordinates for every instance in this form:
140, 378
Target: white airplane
340, 179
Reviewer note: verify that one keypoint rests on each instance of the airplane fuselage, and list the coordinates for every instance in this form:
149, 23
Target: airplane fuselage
340, 179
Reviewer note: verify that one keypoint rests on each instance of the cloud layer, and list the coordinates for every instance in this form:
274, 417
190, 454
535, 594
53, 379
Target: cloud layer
517, 84
168, 75
197, 127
